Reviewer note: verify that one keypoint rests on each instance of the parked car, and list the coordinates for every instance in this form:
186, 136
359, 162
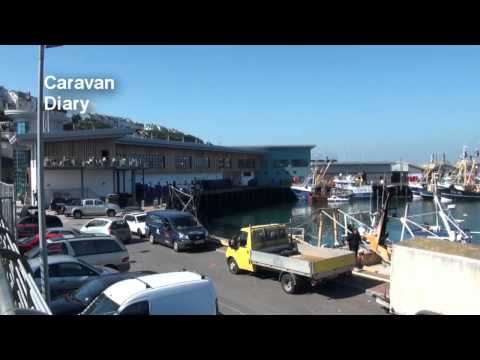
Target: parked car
57, 201
27, 244
60, 207
176, 229
117, 228
66, 272
92, 207
136, 223
96, 250
175, 293
28, 225
74, 302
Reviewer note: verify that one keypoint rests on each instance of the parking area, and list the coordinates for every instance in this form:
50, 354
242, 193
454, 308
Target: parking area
248, 294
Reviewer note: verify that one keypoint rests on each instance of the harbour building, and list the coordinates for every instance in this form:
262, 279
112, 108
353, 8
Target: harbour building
95, 163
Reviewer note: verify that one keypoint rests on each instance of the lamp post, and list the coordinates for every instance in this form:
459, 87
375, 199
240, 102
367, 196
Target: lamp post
45, 286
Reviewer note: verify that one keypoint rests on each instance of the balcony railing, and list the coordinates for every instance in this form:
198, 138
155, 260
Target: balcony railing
127, 162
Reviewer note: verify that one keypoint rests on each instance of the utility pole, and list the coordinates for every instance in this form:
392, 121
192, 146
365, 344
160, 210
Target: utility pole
45, 286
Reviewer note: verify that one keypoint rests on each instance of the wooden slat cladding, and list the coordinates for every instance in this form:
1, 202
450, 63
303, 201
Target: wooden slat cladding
165, 159
80, 150
185, 161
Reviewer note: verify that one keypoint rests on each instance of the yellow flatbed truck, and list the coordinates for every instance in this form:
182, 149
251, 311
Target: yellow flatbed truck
269, 247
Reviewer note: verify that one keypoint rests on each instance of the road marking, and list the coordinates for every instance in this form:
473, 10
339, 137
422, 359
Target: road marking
231, 308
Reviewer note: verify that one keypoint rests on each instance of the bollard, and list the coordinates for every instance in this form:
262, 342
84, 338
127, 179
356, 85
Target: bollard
155, 203
142, 204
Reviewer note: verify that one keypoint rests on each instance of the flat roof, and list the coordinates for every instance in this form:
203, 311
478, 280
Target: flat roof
130, 140
76, 135
268, 147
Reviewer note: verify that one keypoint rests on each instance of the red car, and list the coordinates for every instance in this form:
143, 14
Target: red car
28, 244
28, 226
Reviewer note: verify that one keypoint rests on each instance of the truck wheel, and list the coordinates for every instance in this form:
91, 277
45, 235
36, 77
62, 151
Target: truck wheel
288, 283
77, 214
233, 266
110, 213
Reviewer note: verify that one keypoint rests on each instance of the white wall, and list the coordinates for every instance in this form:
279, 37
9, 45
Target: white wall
96, 182
431, 281
245, 179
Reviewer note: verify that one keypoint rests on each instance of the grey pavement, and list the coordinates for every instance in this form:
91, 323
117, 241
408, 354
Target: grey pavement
250, 293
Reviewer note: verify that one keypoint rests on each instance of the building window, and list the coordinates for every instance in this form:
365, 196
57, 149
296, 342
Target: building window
299, 163
202, 163
280, 163
246, 163
22, 127
183, 162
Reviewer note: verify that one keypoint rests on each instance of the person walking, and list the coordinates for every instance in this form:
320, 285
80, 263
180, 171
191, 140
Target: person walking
354, 240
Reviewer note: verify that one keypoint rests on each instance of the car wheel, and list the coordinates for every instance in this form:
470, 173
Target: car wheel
233, 266
176, 248
111, 213
151, 238
288, 283
77, 214
139, 233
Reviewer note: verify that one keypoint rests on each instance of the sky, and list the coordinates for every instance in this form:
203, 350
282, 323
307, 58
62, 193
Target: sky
355, 103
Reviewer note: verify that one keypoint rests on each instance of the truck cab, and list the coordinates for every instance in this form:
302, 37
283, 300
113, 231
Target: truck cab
255, 238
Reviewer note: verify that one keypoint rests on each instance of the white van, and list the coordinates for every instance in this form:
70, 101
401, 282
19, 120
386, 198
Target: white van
175, 293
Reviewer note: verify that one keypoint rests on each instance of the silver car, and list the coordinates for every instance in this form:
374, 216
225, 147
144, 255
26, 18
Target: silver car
97, 250
92, 207
66, 273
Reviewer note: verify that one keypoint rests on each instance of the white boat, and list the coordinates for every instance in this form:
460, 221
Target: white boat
350, 184
335, 198
445, 200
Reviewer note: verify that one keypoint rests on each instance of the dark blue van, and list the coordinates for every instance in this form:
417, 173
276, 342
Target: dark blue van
176, 229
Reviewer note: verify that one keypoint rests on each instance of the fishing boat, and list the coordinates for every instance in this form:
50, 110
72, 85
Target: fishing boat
464, 183
353, 185
302, 191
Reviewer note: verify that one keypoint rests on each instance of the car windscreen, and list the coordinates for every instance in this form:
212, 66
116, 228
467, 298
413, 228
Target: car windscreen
90, 290
102, 305
182, 222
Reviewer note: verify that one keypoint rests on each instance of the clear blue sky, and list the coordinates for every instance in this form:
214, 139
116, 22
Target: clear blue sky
354, 102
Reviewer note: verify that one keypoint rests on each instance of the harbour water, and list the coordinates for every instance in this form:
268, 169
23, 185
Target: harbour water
301, 214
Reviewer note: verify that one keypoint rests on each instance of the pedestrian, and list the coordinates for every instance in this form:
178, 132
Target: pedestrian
354, 240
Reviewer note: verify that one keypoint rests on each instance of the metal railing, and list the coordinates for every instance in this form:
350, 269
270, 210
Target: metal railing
18, 290
8, 207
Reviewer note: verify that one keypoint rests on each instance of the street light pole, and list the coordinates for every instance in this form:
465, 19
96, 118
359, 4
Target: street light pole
45, 286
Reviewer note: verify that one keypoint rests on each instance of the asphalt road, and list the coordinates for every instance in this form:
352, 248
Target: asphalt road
248, 293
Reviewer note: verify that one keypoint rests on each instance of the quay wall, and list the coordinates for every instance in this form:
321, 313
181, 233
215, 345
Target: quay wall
423, 280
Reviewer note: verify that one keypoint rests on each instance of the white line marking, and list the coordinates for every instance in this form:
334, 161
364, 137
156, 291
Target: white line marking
231, 308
